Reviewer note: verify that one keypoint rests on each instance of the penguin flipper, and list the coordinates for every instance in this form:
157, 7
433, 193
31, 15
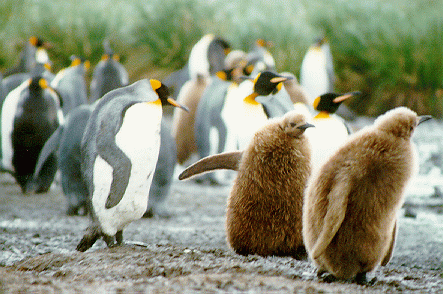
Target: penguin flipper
227, 160
50, 147
388, 255
335, 213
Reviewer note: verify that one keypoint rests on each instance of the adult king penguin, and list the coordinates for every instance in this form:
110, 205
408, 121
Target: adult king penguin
108, 74
317, 71
255, 109
120, 149
351, 202
330, 130
30, 114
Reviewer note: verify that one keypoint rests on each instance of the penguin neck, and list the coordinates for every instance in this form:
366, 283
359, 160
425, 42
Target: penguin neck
322, 115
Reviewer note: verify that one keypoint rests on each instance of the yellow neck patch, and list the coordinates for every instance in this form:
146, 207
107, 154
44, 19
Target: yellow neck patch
322, 115
155, 103
250, 99
76, 62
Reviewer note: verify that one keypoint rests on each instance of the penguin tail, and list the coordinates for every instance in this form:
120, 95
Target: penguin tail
227, 160
93, 233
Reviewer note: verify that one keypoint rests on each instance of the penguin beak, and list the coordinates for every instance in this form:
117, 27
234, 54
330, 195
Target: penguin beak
305, 126
277, 80
176, 104
346, 96
243, 78
423, 118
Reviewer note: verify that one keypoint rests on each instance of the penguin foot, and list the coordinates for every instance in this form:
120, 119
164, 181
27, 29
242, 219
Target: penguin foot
326, 277
361, 279
119, 237
91, 236
300, 253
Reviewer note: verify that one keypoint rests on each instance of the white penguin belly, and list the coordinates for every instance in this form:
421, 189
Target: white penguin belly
139, 139
327, 136
314, 76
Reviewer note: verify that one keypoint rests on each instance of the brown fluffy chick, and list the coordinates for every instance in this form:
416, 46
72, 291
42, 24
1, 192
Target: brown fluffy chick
264, 209
351, 202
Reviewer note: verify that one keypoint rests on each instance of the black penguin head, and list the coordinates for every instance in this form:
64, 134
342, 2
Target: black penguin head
330, 102
294, 124
268, 82
36, 41
225, 74
163, 94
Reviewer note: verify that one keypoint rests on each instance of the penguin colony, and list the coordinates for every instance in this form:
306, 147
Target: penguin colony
290, 196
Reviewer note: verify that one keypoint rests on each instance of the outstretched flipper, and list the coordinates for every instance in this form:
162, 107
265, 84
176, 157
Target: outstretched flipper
335, 213
227, 160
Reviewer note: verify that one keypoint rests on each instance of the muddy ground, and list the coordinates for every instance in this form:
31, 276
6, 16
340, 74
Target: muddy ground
185, 253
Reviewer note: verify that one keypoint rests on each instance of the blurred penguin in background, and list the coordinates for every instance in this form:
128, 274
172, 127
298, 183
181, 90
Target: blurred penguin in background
39, 69
33, 52
64, 144
317, 71
317, 74
206, 58
70, 83
210, 128
260, 57
30, 114
108, 74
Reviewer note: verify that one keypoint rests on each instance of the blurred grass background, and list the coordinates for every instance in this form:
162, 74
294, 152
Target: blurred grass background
392, 51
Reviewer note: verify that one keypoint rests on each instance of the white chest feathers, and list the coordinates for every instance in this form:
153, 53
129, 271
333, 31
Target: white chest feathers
327, 136
139, 139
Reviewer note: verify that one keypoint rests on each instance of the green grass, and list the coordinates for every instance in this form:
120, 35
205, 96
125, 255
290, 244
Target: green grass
390, 51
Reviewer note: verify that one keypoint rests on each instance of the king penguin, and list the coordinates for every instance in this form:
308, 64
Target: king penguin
108, 74
316, 71
70, 83
30, 114
119, 152
351, 203
205, 59
264, 210
33, 52
255, 109
330, 130
64, 143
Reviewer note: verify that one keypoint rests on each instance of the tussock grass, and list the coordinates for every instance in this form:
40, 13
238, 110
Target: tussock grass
389, 50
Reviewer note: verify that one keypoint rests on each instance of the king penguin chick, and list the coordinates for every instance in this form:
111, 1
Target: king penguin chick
264, 210
119, 151
350, 206
183, 123
330, 130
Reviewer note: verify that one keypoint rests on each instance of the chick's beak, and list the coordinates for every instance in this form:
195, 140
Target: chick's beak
423, 118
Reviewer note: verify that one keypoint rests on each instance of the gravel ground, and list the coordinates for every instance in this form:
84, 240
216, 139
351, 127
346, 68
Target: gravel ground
185, 253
